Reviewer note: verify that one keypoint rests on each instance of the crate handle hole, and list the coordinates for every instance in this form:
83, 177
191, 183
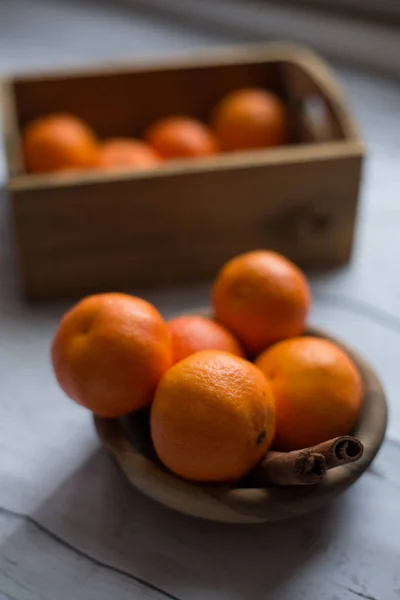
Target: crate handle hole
317, 118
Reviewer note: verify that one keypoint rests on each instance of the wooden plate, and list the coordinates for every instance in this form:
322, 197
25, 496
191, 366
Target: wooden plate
129, 443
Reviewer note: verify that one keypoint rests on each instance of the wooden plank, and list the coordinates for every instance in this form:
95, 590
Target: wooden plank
98, 545
52, 568
9, 118
125, 101
168, 229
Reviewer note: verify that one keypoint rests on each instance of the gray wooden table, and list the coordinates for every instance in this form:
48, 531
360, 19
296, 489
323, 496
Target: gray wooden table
70, 526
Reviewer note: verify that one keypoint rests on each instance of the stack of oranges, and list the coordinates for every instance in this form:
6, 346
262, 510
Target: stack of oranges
224, 389
244, 119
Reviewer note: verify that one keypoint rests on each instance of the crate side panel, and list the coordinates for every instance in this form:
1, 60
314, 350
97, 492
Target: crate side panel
170, 229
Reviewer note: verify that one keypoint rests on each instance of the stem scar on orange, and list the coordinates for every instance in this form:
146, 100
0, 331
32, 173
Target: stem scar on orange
213, 417
109, 353
317, 389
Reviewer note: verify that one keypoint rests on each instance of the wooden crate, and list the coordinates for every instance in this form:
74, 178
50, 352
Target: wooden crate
84, 232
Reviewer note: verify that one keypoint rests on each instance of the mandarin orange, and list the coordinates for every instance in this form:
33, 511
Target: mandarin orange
181, 137
261, 297
58, 142
213, 417
317, 389
193, 333
109, 353
125, 153
250, 118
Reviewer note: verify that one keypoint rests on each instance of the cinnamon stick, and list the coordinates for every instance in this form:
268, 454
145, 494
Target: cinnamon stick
300, 467
340, 451
307, 466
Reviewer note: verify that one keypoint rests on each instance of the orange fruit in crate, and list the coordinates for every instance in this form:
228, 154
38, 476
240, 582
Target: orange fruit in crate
262, 297
193, 333
122, 153
250, 118
181, 137
109, 353
317, 389
58, 142
213, 417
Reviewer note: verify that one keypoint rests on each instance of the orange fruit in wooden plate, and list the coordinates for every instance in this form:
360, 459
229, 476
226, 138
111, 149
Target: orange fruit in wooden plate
124, 153
109, 353
58, 142
250, 118
317, 389
213, 417
262, 297
181, 137
193, 333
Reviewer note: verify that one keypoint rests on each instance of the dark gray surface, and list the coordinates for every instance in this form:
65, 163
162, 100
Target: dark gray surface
70, 527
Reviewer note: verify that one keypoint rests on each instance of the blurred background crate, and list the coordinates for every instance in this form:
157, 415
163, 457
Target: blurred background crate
87, 232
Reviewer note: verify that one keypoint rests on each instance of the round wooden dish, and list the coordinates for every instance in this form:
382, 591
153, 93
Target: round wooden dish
129, 443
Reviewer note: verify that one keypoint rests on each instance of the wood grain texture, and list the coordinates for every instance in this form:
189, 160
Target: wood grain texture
10, 131
129, 443
83, 233
180, 227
